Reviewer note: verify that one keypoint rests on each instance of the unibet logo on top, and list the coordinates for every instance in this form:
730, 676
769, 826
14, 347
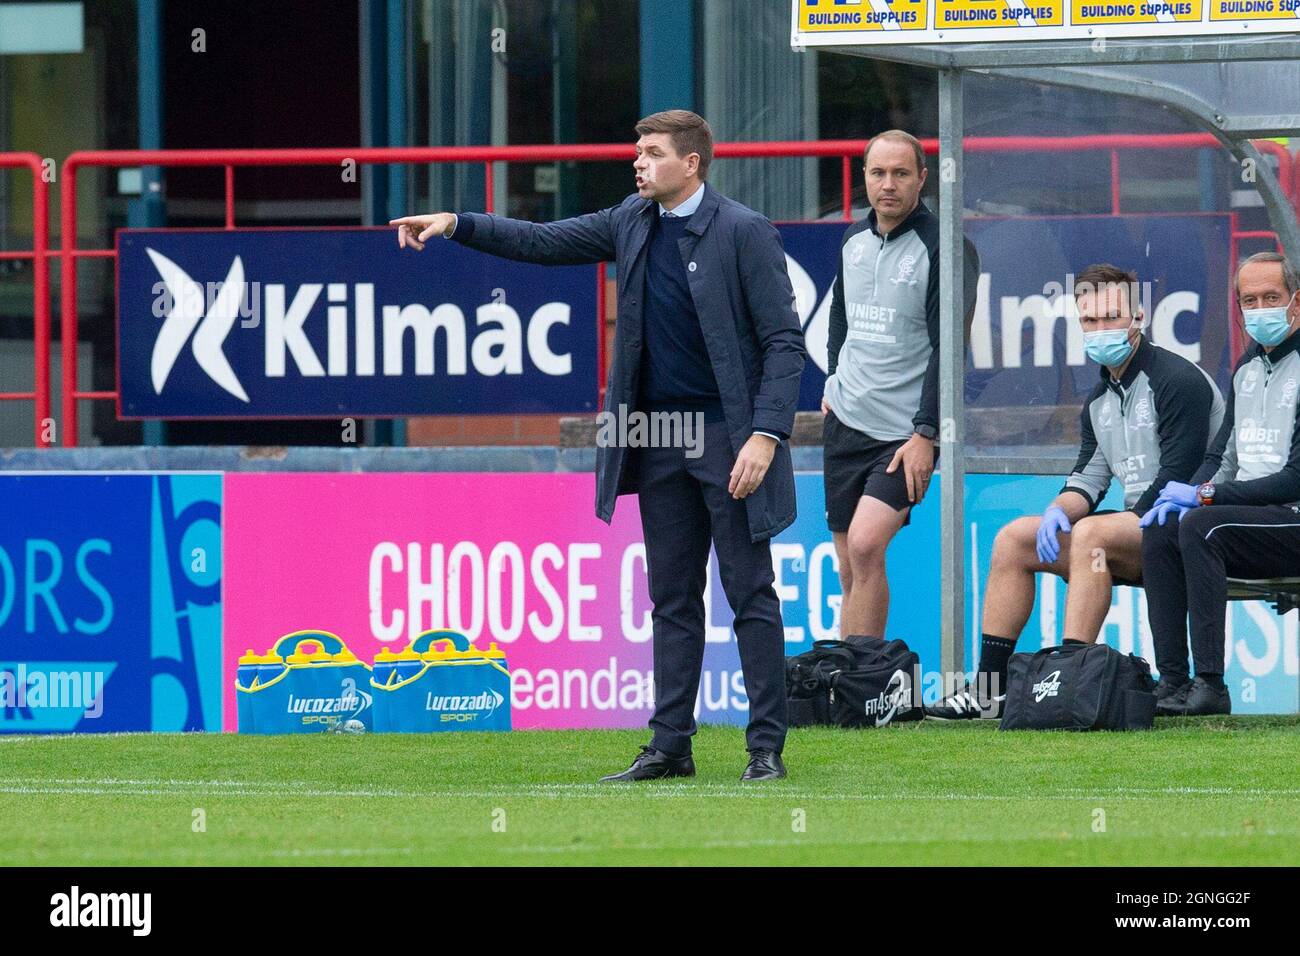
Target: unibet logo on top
1254, 9
853, 15
1089, 12
969, 14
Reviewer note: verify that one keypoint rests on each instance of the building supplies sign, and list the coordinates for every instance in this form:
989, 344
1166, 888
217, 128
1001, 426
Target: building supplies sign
854, 22
325, 323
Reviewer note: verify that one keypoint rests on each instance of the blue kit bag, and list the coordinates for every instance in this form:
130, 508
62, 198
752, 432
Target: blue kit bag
441, 682
308, 682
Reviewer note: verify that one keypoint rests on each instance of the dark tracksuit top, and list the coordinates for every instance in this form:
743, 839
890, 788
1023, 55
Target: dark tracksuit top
1252, 528
1149, 428
882, 374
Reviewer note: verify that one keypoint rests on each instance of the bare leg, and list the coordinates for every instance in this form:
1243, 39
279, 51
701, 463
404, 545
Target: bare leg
866, 604
1009, 593
1102, 546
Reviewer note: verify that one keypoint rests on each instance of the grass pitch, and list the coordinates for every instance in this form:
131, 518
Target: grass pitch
1221, 791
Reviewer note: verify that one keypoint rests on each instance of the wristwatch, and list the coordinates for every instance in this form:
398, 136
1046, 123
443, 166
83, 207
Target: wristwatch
927, 431
1205, 493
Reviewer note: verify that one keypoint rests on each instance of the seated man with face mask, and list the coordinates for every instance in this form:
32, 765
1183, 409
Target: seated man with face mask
1239, 514
1148, 420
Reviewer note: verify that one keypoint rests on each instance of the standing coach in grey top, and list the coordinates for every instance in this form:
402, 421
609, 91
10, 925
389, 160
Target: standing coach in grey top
881, 402
707, 328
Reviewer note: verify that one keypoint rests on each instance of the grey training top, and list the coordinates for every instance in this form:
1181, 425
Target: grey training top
883, 355
1255, 458
1149, 428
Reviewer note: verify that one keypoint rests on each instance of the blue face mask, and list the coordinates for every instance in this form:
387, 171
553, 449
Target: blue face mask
1109, 347
1268, 327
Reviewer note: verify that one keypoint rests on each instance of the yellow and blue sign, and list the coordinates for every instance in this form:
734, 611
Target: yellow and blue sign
1004, 14
840, 15
1136, 11
863, 22
1256, 10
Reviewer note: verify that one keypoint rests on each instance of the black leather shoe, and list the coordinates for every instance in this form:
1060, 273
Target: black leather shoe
1174, 702
764, 765
1205, 699
651, 764
1171, 685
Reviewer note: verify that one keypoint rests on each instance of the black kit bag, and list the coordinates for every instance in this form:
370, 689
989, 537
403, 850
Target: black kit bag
1079, 687
848, 685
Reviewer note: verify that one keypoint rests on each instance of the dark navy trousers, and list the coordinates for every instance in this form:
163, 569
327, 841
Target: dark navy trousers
1186, 565
685, 507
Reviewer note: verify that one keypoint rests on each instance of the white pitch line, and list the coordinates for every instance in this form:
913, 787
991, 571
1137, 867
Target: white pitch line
237, 788
920, 839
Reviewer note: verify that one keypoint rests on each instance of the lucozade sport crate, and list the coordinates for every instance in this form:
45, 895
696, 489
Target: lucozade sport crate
307, 683
441, 682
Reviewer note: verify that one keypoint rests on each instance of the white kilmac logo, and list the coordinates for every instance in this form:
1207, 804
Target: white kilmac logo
187, 300
362, 337
1047, 687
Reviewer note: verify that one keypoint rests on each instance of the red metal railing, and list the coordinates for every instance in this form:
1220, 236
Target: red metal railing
39, 255
228, 159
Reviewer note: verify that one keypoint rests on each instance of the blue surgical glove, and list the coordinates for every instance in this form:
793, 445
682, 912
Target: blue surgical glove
1049, 546
1160, 512
1180, 494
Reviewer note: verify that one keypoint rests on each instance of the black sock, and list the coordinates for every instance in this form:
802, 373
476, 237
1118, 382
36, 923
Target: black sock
995, 653
1073, 640
862, 640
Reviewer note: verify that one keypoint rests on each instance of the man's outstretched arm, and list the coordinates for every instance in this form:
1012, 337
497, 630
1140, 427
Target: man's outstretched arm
577, 241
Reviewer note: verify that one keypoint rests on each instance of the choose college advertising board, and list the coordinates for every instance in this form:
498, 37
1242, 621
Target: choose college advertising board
122, 610
836, 22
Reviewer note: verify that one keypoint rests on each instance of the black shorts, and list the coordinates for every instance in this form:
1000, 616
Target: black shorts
855, 466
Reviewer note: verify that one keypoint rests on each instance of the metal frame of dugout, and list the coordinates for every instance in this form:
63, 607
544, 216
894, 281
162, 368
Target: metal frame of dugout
1190, 75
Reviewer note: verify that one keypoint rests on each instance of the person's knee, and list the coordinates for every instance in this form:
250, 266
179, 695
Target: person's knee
1158, 538
1014, 544
866, 547
1194, 528
1088, 536
755, 598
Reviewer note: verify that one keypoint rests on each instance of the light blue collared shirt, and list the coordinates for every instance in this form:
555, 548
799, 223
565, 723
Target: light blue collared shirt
687, 206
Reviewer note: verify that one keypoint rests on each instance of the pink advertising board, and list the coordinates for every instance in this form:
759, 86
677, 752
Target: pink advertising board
519, 559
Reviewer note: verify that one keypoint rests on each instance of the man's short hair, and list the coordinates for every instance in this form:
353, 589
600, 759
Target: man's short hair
900, 136
689, 132
1101, 274
1288, 271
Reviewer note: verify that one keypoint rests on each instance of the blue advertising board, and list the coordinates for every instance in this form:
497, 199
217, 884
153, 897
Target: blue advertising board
283, 323
326, 323
110, 602
1025, 346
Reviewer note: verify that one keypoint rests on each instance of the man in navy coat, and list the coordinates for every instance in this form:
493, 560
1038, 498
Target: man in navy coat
707, 331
